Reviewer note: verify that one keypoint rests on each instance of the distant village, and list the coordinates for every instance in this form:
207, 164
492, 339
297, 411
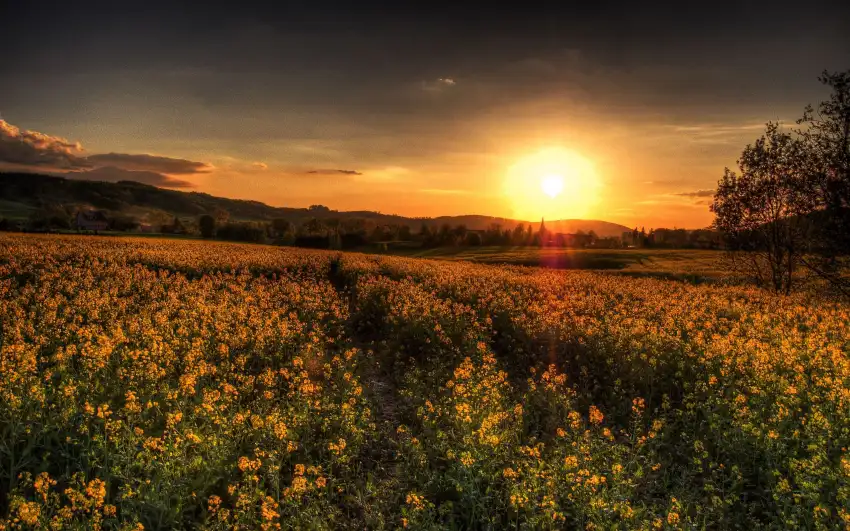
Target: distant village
352, 233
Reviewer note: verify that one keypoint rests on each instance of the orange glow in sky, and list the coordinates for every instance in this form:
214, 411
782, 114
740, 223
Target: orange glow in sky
554, 183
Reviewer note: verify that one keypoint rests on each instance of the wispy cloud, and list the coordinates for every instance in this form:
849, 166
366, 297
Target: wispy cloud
111, 174
260, 165
155, 163
388, 173
334, 172
697, 193
717, 129
444, 191
439, 84
715, 133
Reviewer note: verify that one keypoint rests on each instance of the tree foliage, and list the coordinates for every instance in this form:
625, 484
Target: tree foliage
761, 209
787, 209
207, 223
825, 132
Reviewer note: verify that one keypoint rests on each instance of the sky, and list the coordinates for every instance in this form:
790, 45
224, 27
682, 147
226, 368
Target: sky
414, 109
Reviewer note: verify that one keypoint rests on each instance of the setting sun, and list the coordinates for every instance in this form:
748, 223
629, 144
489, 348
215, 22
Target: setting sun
554, 183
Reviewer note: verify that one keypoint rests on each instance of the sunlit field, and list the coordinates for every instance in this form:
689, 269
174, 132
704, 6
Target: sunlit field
688, 264
168, 384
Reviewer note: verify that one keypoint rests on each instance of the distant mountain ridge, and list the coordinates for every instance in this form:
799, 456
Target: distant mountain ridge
30, 190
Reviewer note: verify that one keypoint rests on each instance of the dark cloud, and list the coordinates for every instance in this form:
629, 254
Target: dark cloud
112, 174
153, 163
334, 172
31, 148
698, 193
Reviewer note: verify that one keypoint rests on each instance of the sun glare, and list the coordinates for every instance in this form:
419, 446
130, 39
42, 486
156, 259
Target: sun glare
554, 183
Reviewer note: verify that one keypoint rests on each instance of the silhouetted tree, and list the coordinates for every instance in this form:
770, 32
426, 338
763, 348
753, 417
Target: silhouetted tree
242, 232
281, 226
826, 137
50, 217
206, 224
382, 233
758, 210
220, 216
123, 223
493, 235
543, 234
473, 239
425, 236
314, 227
518, 237
459, 234
445, 236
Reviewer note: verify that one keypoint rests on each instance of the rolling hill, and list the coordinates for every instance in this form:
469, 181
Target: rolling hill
21, 193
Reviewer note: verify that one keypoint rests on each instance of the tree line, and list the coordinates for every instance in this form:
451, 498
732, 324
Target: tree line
343, 233
329, 232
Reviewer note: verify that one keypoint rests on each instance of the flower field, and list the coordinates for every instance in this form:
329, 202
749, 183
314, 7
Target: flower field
166, 384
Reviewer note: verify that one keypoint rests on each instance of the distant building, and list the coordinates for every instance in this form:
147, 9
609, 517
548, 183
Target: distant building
93, 220
145, 227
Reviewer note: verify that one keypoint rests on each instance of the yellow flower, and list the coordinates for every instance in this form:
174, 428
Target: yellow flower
595, 416
268, 509
638, 405
415, 501
299, 484
29, 513
249, 465
42, 484
672, 518
96, 491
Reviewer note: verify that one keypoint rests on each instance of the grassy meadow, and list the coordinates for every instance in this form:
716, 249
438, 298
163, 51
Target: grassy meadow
693, 264
177, 384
